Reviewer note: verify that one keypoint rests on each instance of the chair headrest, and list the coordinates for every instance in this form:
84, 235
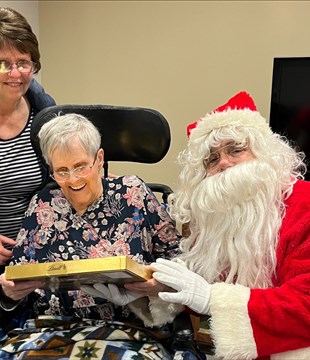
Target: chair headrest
127, 133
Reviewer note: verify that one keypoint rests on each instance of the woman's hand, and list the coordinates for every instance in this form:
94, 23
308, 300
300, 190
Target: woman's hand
5, 245
19, 290
150, 287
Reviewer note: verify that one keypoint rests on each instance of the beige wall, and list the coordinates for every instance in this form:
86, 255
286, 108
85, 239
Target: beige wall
182, 58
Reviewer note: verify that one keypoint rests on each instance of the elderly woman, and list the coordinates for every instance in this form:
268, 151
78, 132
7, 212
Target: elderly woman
87, 216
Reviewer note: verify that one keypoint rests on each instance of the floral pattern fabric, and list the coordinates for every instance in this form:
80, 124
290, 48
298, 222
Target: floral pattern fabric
127, 219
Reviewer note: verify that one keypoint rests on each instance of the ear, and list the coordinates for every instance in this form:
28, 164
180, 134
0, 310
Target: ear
100, 157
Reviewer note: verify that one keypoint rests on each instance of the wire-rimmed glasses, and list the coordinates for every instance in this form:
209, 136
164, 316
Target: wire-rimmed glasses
79, 172
23, 66
232, 150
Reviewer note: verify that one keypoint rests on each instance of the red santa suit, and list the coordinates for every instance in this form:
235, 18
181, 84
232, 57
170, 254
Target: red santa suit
250, 323
257, 322
274, 320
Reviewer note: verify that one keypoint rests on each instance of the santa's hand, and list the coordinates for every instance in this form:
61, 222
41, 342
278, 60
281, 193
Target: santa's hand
111, 292
192, 290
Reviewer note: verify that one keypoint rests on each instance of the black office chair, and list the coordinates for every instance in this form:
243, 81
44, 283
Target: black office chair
128, 134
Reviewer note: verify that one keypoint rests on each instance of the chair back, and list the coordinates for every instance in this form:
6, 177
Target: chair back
130, 134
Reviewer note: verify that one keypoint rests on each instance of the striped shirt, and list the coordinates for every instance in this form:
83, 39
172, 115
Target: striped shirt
20, 177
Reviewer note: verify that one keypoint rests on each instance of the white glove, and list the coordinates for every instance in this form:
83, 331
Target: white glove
111, 292
192, 289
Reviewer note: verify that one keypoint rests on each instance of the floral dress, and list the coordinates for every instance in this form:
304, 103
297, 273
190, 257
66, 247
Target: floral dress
128, 220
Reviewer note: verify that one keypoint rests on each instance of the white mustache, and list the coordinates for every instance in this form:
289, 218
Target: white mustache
235, 185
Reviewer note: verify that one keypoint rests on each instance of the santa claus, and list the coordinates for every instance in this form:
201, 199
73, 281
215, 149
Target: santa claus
246, 261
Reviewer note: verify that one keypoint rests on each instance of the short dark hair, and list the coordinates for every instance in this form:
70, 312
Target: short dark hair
16, 32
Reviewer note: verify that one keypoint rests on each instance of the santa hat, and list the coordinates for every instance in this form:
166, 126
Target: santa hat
240, 110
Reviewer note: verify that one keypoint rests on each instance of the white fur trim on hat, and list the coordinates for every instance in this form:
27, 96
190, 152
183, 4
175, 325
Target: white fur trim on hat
232, 118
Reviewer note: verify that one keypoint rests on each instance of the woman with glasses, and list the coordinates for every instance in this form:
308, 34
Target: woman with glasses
21, 97
88, 216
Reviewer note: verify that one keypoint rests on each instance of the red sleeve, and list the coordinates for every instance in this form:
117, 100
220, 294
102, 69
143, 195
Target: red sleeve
280, 316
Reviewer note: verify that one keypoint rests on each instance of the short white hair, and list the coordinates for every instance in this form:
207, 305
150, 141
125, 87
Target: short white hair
61, 130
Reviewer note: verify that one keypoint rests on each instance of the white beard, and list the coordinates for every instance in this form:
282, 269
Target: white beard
235, 220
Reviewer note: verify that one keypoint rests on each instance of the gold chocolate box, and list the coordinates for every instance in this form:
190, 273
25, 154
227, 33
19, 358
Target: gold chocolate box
71, 274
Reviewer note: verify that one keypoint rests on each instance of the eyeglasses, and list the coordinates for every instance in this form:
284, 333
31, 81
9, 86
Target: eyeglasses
232, 150
78, 172
23, 66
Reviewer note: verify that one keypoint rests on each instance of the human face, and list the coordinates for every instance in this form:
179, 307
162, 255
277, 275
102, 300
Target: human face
227, 154
14, 85
79, 191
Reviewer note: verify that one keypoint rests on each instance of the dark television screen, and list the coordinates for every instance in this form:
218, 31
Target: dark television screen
290, 102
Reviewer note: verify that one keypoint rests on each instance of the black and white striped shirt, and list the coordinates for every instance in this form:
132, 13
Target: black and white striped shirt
20, 177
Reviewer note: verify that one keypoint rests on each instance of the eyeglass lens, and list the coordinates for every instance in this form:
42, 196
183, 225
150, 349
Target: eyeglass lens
232, 150
81, 171
23, 66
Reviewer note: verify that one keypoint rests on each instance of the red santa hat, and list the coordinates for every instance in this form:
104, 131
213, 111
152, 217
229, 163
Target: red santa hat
240, 110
